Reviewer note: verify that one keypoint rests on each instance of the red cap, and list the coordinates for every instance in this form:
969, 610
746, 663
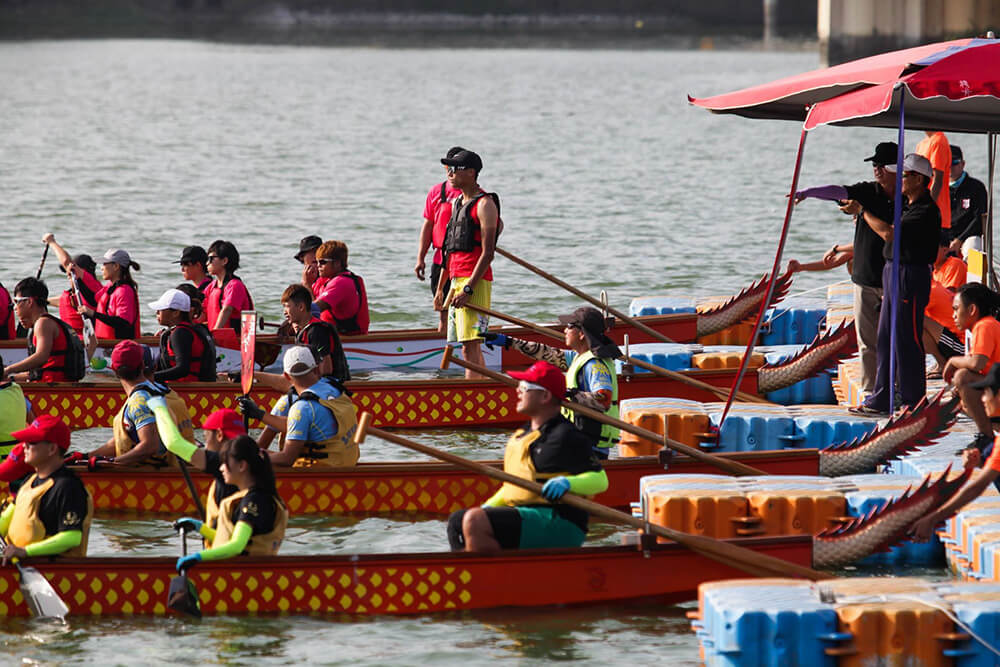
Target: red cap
127, 354
545, 375
228, 420
46, 427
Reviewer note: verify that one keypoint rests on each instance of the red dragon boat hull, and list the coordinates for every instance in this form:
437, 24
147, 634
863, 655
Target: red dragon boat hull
392, 583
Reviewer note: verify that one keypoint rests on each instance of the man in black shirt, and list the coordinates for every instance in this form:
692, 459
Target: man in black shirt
52, 512
920, 230
968, 202
550, 450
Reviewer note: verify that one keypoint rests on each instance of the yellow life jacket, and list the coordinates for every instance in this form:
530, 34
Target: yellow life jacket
517, 461
27, 528
211, 510
609, 434
340, 450
126, 437
259, 545
13, 416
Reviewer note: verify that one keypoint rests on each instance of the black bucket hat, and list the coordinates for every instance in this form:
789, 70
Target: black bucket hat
308, 244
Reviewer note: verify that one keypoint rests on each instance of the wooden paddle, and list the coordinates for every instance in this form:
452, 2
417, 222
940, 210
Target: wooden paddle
42, 599
664, 372
741, 558
182, 596
191, 488
586, 297
730, 467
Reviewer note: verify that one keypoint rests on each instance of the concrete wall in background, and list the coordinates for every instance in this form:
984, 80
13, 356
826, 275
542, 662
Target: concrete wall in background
849, 29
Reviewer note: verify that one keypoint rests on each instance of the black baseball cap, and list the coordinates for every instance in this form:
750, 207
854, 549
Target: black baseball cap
453, 151
193, 253
593, 325
85, 262
464, 158
991, 381
308, 244
956, 154
885, 154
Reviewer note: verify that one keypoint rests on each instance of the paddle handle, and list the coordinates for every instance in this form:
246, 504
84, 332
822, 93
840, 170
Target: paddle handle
663, 372
586, 297
731, 467
192, 489
750, 561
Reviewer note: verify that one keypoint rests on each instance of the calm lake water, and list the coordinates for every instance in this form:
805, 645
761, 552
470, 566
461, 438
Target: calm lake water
609, 179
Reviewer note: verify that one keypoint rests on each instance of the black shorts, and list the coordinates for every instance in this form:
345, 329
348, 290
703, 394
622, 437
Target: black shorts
505, 521
435, 276
949, 346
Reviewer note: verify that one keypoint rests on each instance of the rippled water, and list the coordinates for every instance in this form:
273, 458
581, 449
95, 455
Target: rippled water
608, 178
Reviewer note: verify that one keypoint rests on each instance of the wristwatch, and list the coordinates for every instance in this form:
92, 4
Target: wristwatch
467, 290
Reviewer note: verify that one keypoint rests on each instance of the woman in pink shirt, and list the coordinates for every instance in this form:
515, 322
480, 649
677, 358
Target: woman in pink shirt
226, 297
344, 299
117, 312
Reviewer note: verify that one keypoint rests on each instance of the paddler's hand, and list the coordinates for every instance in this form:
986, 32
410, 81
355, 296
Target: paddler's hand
94, 462
794, 266
851, 207
923, 529
420, 269
971, 458
74, 457
84, 310
438, 301
249, 409
555, 488
460, 299
48, 238
188, 524
492, 339
10, 551
187, 562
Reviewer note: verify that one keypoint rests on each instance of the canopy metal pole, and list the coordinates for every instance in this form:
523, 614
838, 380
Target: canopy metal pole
893, 286
991, 151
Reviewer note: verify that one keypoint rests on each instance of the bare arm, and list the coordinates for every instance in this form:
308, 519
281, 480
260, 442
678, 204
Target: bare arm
288, 454
64, 259
936, 183
879, 226
424, 245
45, 335
224, 315
149, 444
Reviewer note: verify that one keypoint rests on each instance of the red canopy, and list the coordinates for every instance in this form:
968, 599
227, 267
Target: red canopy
954, 91
789, 98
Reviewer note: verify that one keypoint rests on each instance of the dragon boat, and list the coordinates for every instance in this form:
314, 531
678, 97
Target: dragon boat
441, 402
416, 583
404, 486
421, 348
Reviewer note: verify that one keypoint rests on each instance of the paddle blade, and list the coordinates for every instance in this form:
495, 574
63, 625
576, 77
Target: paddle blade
248, 339
42, 599
182, 596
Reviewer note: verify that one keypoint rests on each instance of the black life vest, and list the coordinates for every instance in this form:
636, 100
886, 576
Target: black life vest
340, 372
349, 326
461, 233
70, 358
202, 352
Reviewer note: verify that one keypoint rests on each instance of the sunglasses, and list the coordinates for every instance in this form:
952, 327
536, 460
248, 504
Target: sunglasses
325, 261
212, 258
21, 299
453, 169
524, 385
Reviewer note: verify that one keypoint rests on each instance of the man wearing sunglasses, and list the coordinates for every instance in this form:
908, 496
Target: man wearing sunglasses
437, 213
549, 450
55, 352
469, 244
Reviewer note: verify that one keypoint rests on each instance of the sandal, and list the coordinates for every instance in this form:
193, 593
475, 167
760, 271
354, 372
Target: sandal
865, 411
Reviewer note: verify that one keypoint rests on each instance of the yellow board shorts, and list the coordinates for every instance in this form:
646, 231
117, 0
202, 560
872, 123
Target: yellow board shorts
465, 324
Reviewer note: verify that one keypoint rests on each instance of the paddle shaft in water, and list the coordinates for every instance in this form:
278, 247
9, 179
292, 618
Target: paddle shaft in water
731, 467
729, 554
652, 368
586, 297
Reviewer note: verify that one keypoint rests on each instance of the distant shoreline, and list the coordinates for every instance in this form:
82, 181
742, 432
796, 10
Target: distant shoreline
277, 24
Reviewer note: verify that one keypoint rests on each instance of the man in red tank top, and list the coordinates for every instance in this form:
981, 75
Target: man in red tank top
437, 213
47, 335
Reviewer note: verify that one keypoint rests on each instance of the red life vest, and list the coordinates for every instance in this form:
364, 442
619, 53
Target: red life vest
66, 357
356, 324
106, 331
202, 367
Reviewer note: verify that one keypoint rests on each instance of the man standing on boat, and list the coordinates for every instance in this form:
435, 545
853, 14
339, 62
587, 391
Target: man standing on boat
319, 423
469, 245
55, 353
549, 450
52, 512
437, 213
589, 367
875, 196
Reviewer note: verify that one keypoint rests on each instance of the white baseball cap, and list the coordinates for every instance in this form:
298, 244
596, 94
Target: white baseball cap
299, 360
919, 164
172, 299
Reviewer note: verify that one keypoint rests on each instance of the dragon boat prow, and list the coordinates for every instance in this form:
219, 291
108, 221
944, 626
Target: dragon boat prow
824, 352
741, 306
884, 526
912, 429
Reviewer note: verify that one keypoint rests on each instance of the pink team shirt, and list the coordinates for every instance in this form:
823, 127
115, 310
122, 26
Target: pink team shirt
123, 303
344, 301
440, 213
